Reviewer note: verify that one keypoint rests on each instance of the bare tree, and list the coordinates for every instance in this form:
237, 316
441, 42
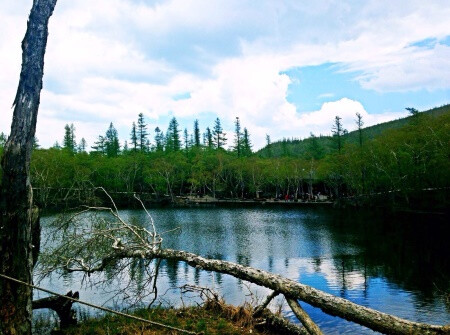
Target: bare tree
16, 214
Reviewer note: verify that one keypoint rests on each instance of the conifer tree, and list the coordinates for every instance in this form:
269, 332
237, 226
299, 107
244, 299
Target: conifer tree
338, 131
208, 138
82, 145
246, 143
268, 146
173, 142
186, 139
112, 146
69, 138
359, 124
219, 138
196, 134
142, 133
99, 145
237, 137
133, 137
159, 139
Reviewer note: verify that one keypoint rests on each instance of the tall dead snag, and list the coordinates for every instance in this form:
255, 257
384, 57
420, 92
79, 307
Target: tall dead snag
16, 195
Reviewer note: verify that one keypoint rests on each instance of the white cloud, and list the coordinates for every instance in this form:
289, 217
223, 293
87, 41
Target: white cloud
108, 60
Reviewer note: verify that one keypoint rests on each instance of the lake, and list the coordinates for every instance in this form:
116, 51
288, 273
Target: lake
397, 264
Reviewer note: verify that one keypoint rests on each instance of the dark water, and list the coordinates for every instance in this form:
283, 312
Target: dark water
395, 264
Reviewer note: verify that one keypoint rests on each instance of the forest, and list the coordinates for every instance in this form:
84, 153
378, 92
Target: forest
401, 161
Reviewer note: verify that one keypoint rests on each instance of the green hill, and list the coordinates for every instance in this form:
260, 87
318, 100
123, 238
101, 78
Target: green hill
320, 146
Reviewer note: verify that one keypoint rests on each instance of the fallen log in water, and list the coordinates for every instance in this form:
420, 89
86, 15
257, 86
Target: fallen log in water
378, 321
330, 304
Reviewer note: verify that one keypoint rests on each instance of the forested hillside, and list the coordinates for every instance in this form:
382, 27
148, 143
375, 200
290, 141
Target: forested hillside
321, 145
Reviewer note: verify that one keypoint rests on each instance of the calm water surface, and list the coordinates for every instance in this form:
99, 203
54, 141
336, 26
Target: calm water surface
398, 265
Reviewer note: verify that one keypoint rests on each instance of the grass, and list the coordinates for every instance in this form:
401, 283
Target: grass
209, 319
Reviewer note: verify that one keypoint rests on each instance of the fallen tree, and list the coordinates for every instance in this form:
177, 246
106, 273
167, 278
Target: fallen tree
92, 246
62, 307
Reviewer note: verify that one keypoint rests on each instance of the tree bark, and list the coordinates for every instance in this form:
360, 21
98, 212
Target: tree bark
280, 325
16, 195
375, 320
304, 318
62, 306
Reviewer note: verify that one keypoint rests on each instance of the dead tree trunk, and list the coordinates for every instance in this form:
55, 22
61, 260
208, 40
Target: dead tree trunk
370, 318
378, 321
62, 306
16, 195
304, 318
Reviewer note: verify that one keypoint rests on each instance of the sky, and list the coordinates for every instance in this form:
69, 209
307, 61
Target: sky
285, 68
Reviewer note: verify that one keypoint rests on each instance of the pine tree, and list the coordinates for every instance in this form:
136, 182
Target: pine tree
112, 146
159, 139
237, 137
359, 124
69, 138
133, 137
268, 146
196, 134
208, 138
246, 143
173, 142
186, 139
67, 142
219, 138
142, 133
82, 145
338, 131
99, 145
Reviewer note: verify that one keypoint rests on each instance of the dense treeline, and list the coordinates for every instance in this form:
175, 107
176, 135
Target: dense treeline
402, 161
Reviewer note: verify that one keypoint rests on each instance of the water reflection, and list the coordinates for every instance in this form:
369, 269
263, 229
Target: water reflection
395, 264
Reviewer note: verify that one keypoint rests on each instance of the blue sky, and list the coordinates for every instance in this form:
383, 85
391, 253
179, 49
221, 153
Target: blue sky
313, 85
286, 68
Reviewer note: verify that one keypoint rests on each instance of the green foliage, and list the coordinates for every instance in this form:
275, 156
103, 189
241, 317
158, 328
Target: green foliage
246, 143
159, 139
142, 133
338, 132
218, 135
3, 139
404, 159
133, 137
173, 142
196, 134
69, 142
208, 138
112, 146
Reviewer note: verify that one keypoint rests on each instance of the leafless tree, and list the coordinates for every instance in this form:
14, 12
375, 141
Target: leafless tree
16, 199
